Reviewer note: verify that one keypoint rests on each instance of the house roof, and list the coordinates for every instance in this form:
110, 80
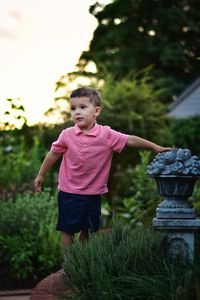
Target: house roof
188, 103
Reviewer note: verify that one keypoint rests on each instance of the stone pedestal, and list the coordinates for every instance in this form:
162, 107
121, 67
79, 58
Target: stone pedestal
179, 237
176, 217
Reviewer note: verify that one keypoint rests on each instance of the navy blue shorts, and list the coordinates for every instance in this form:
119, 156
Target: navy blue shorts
78, 212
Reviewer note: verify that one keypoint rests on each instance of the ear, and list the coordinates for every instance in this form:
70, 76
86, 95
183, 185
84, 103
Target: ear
97, 111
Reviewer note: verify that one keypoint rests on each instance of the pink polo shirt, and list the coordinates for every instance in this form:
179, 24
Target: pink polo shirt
87, 158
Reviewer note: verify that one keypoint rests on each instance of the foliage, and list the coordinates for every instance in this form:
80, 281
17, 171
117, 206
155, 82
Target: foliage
21, 155
22, 150
30, 247
127, 263
186, 134
195, 197
140, 197
19, 164
135, 34
14, 116
130, 106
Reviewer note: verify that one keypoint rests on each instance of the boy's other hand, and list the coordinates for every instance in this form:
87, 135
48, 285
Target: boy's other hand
38, 183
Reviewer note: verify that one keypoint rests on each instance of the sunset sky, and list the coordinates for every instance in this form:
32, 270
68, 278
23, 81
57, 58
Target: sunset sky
40, 40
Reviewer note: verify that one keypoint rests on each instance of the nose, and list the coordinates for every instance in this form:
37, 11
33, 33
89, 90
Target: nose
77, 111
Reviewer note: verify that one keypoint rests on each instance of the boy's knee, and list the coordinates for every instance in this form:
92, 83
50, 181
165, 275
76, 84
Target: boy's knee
66, 238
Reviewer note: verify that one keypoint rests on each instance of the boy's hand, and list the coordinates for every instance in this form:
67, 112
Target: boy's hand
48, 162
163, 149
38, 183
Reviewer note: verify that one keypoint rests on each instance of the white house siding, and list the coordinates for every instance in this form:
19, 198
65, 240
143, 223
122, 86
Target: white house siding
189, 107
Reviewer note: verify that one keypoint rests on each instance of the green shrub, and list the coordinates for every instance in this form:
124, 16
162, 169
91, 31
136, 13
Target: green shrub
19, 164
138, 194
186, 134
195, 198
21, 156
124, 264
29, 243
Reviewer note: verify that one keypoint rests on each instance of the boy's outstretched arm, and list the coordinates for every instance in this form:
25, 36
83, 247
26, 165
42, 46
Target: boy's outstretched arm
48, 162
137, 142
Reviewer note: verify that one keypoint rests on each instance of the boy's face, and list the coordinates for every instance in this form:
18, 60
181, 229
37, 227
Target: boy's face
83, 112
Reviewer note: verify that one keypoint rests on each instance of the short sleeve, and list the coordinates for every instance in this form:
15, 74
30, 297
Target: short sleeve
116, 140
60, 145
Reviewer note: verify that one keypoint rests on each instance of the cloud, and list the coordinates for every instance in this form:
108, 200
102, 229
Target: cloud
17, 15
10, 24
6, 34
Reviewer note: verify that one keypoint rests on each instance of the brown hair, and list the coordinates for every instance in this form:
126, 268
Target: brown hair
89, 92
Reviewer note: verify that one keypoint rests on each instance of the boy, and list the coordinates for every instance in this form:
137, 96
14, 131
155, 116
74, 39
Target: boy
87, 150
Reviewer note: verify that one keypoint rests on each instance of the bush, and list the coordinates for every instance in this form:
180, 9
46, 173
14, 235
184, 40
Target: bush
19, 164
195, 198
138, 193
30, 246
127, 263
21, 155
186, 133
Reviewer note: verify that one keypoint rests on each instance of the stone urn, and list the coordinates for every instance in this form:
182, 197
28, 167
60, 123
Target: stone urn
176, 173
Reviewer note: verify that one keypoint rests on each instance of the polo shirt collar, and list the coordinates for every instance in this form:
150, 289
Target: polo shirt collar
93, 132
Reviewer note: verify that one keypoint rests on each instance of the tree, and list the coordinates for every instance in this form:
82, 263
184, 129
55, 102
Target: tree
13, 116
130, 105
133, 34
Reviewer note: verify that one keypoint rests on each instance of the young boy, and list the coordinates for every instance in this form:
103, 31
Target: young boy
87, 150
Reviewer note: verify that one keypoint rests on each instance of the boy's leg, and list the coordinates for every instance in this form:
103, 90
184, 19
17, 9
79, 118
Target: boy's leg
93, 214
92, 222
84, 235
66, 238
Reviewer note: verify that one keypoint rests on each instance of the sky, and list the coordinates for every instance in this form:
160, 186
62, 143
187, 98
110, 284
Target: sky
40, 40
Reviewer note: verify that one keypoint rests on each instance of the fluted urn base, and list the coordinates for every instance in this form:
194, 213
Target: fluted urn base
175, 191
173, 208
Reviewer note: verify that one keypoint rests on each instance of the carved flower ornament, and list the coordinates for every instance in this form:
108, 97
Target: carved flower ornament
175, 162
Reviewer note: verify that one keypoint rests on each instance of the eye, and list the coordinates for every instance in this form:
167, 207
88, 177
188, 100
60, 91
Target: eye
72, 108
83, 106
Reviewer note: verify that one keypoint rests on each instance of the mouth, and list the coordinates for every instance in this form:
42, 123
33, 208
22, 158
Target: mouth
79, 119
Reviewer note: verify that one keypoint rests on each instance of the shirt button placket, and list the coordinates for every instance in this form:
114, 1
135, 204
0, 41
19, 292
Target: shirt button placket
84, 142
